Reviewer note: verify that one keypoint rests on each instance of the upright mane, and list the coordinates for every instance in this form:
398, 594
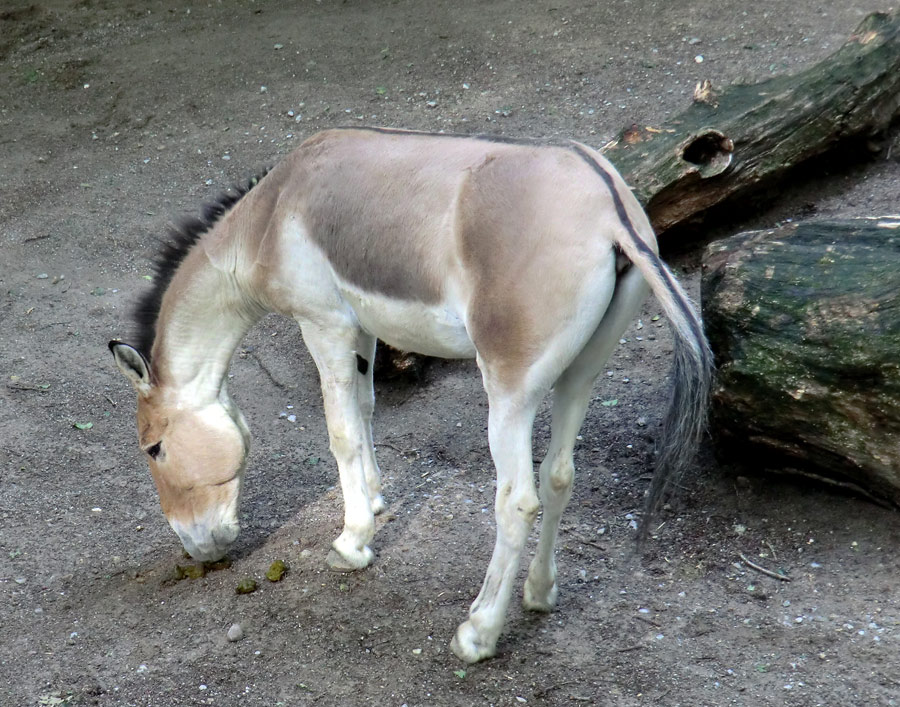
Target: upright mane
182, 236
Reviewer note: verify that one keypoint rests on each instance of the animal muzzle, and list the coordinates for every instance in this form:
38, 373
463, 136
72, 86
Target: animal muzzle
206, 542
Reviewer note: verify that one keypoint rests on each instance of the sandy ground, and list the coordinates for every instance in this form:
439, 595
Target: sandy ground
116, 117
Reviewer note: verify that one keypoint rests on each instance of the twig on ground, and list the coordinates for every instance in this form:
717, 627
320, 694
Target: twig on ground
760, 568
265, 369
402, 452
647, 620
26, 386
631, 648
585, 541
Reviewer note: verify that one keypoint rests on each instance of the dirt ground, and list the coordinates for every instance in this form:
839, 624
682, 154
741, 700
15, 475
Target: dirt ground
116, 116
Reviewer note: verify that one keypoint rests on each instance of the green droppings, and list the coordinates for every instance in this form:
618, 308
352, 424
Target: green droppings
245, 586
276, 571
189, 571
222, 564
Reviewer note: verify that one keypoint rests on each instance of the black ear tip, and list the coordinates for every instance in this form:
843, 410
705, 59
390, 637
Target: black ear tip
112, 345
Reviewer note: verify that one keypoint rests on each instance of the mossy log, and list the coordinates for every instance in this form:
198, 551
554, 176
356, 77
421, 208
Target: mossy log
805, 323
747, 135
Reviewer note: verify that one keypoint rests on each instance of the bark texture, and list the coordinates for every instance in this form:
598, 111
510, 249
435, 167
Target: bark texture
805, 323
746, 135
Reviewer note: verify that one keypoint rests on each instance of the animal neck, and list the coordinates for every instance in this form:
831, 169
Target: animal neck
203, 316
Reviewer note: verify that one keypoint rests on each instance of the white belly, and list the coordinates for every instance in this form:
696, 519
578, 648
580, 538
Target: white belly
433, 330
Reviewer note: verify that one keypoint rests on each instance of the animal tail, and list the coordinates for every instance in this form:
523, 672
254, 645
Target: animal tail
690, 384
693, 366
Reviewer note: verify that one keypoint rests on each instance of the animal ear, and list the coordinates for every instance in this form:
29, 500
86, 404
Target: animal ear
133, 364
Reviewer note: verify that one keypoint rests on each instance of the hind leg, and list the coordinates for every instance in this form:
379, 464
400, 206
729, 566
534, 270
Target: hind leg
570, 401
510, 422
571, 395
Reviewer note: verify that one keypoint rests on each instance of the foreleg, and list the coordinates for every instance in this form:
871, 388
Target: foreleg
334, 351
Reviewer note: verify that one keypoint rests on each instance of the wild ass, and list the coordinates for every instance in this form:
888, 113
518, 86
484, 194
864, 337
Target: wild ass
531, 258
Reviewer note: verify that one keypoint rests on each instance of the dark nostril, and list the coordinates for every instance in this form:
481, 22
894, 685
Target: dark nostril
154, 450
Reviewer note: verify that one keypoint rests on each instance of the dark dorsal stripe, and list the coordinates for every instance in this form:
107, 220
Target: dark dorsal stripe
181, 237
696, 329
499, 139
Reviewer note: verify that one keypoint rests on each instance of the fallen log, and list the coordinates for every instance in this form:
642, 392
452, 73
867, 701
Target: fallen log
805, 323
741, 137
732, 141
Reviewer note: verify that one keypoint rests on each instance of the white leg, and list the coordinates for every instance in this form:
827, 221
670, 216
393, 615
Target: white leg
570, 400
572, 393
334, 350
516, 506
365, 352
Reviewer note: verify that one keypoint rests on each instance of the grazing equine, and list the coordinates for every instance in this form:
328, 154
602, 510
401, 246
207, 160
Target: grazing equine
530, 257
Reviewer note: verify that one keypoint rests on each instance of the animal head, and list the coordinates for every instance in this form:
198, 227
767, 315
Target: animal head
196, 455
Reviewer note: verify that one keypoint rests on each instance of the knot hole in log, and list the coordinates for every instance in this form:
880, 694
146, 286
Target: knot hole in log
710, 152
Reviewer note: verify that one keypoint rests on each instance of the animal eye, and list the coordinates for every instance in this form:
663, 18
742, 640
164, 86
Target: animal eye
154, 450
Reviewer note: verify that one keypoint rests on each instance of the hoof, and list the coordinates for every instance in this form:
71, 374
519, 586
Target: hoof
349, 562
468, 647
542, 602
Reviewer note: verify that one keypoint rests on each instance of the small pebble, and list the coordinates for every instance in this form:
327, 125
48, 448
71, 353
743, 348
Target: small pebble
235, 633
